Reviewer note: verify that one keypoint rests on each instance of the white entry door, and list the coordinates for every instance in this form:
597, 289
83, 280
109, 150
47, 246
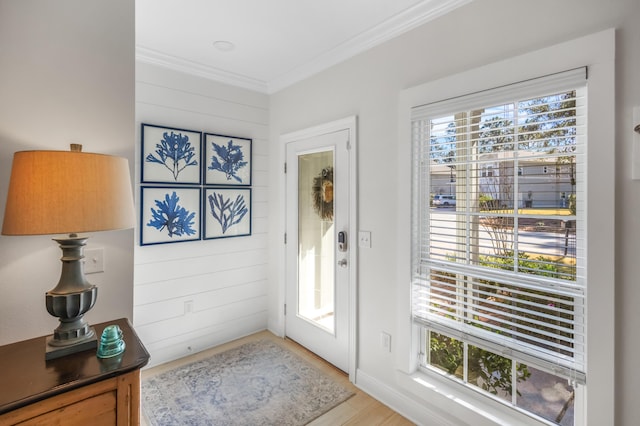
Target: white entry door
319, 244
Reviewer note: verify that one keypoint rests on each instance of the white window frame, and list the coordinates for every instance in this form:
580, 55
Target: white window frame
451, 403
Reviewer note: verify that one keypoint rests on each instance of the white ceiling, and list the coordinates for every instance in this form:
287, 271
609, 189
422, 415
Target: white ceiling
277, 42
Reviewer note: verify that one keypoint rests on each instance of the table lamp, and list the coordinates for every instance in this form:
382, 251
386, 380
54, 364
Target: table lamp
68, 192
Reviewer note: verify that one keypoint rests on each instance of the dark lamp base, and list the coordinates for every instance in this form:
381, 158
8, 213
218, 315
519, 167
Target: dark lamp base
53, 352
69, 301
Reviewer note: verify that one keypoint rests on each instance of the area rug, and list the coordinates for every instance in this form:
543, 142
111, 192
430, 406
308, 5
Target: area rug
258, 383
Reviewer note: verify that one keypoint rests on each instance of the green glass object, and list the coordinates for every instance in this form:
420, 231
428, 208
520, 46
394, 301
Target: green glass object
111, 343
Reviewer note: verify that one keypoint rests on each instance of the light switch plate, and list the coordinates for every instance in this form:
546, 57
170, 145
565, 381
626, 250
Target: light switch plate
93, 260
364, 239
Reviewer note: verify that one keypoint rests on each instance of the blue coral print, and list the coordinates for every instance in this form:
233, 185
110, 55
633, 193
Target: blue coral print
170, 217
228, 213
174, 152
228, 159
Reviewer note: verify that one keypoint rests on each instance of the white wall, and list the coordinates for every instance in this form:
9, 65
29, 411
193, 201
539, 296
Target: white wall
65, 76
482, 32
226, 279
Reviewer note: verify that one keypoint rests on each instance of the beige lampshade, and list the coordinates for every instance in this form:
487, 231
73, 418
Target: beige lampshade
63, 192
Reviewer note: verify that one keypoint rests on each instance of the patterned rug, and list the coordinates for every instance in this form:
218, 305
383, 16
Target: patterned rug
258, 383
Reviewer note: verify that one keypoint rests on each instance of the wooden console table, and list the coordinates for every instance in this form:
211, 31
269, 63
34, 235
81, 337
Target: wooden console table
77, 389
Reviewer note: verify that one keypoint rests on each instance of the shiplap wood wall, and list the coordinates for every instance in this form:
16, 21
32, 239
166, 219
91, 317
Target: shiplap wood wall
224, 280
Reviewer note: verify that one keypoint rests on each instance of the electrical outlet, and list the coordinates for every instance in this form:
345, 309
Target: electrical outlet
188, 306
93, 260
385, 341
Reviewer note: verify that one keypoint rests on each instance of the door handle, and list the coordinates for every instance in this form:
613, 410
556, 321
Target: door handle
342, 263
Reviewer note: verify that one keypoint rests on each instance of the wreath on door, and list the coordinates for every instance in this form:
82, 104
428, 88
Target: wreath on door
323, 194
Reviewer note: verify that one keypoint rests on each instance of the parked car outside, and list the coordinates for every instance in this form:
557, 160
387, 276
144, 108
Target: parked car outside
444, 200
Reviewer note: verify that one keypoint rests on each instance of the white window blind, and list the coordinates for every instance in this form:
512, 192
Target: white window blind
504, 268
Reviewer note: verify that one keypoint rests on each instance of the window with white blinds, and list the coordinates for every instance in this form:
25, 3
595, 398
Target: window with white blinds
501, 265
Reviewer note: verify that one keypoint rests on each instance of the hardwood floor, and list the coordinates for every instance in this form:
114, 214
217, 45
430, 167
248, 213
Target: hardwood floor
360, 409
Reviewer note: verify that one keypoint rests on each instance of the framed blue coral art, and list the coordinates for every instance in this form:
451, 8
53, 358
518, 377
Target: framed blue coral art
227, 160
227, 212
169, 214
170, 155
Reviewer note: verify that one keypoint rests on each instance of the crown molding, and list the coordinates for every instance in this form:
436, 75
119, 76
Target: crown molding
154, 57
401, 23
407, 20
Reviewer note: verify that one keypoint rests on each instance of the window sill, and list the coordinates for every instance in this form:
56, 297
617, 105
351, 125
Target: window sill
461, 404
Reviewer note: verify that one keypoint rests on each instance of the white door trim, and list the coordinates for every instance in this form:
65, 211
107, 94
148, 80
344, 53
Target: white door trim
350, 124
